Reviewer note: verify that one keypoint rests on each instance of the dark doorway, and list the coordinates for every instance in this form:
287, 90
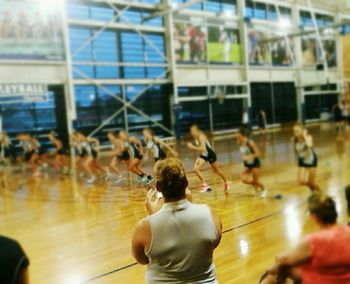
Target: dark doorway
61, 113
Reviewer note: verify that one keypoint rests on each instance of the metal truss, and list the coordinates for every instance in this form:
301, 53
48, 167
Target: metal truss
101, 30
172, 10
319, 39
286, 38
126, 104
144, 37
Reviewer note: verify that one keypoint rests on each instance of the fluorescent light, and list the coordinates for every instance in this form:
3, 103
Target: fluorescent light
284, 24
227, 13
174, 5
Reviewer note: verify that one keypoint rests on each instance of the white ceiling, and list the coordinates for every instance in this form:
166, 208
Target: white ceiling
332, 4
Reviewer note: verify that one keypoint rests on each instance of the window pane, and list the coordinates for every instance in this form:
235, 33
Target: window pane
260, 10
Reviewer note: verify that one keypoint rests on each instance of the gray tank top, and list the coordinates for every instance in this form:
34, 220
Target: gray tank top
181, 250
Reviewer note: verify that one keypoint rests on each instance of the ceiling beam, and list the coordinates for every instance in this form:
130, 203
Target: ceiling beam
306, 32
172, 10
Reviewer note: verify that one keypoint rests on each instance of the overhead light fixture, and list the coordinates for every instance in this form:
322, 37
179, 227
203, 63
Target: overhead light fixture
226, 14
284, 24
174, 4
328, 32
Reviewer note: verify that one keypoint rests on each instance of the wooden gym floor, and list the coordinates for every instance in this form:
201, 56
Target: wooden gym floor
77, 233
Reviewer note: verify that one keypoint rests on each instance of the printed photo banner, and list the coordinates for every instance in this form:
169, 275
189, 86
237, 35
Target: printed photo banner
311, 52
263, 51
198, 42
30, 30
224, 45
190, 42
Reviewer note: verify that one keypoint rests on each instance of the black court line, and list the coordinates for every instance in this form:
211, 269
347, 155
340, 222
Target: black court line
110, 272
224, 232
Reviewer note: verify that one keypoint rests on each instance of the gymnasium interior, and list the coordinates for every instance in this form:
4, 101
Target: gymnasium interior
86, 70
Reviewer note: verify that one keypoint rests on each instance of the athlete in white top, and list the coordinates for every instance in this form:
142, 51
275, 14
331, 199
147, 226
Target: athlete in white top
306, 156
134, 147
156, 146
250, 154
207, 154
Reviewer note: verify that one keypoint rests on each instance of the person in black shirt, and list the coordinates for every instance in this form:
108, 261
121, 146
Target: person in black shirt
13, 262
347, 196
261, 120
338, 116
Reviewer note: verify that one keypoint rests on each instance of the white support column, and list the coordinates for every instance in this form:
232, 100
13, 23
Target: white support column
298, 64
126, 122
69, 87
319, 39
169, 39
339, 52
244, 48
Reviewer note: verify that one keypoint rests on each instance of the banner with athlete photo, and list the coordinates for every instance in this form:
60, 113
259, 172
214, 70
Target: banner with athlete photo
263, 50
30, 30
312, 54
190, 42
282, 51
309, 51
224, 45
330, 49
259, 51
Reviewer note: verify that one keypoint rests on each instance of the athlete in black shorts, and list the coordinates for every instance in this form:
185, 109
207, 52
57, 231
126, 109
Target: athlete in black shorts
60, 162
134, 147
307, 158
250, 154
156, 146
208, 154
31, 148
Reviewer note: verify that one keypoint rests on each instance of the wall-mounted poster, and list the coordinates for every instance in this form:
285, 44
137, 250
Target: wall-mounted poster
30, 30
224, 45
282, 52
309, 51
263, 50
259, 52
330, 50
190, 42
312, 54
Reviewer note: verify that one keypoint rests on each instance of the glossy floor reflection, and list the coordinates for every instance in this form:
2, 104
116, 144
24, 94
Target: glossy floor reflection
74, 232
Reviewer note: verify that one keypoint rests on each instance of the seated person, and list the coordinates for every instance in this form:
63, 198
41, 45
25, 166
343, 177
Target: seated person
13, 262
322, 257
177, 242
347, 196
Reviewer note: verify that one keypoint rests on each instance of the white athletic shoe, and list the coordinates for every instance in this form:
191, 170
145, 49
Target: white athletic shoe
37, 174
143, 180
205, 188
91, 179
263, 193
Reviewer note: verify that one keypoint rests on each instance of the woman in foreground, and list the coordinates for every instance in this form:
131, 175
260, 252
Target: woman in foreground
178, 241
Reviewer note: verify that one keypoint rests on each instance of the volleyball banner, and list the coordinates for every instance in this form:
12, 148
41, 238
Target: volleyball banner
30, 30
23, 93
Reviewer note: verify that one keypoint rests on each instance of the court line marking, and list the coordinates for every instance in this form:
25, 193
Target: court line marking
223, 232
110, 272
